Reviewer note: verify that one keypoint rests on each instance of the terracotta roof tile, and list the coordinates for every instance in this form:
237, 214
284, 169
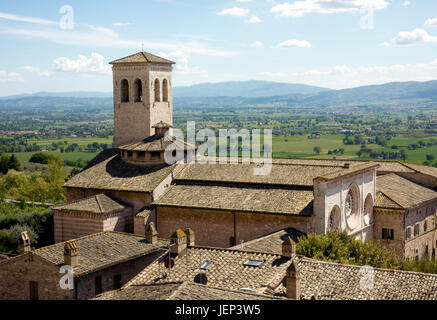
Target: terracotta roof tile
100, 204
101, 250
405, 193
142, 57
262, 200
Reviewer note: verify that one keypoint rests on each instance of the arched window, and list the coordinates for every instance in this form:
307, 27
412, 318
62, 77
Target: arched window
157, 91
334, 219
138, 90
368, 210
165, 90
124, 90
352, 207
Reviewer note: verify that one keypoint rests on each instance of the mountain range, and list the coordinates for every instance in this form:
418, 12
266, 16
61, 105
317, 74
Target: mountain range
251, 93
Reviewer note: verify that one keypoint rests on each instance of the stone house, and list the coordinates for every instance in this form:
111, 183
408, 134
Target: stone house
100, 262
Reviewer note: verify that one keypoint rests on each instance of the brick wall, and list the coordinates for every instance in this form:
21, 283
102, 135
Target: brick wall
16, 274
215, 228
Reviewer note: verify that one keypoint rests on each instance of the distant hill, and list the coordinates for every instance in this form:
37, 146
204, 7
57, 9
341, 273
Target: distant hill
72, 94
388, 92
250, 93
249, 89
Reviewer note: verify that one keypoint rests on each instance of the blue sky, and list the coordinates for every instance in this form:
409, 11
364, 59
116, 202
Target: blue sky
331, 43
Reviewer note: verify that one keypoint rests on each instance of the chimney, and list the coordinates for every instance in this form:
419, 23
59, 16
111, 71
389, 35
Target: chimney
23, 242
288, 248
292, 281
179, 241
190, 236
71, 254
151, 233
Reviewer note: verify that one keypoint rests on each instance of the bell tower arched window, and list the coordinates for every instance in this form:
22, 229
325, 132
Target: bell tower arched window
124, 90
138, 90
165, 90
157, 91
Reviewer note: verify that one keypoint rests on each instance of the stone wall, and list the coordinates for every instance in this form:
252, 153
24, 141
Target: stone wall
416, 246
86, 288
75, 224
390, 219
133, 120
218, 228
16, 274
331, 194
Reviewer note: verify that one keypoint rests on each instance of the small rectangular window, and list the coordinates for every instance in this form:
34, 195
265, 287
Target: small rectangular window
253, 263
387, 234
416, 229
98, 284
117, 281
206, 265
155, 155
408, 233
33, 290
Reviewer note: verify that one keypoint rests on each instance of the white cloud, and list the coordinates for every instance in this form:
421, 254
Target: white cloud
98, 38
295, 43
237, 12
406, 3
182, 66
10, 76
244, 0
432, 22
93, 65
36, 70
385, 44
257, 44
417, 36
254, 19
300, 8
122, 24
13, 17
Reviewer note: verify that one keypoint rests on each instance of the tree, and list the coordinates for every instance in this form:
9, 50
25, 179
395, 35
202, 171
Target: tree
14, 163
317, 149
430, 157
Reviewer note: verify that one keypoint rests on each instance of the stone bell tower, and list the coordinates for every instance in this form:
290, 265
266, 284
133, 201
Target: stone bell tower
142, 96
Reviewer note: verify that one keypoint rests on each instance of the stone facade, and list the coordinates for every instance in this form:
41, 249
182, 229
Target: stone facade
73, 224
216, 228
135, 116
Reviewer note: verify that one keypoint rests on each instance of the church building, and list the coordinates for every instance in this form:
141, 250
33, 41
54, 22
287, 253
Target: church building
125, 188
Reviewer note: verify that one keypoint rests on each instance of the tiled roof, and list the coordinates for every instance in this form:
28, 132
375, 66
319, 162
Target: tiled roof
383, 201
272, 242
141, 57
112, 173
405, 193
263, 200
333, 281
296, 175
180, 291
157, 143
228, 269
101, 250
431, 171
99, 204
144, 212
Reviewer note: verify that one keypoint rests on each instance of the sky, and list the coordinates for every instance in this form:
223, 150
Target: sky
60, 46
